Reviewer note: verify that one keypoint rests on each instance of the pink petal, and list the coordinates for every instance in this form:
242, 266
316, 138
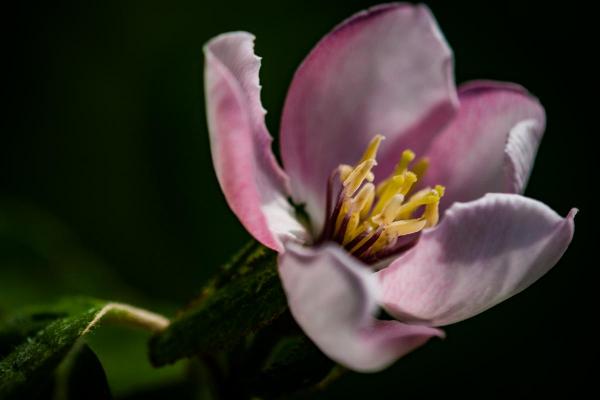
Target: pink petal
332, 297
491, 144
482, 253
254, 185
385, 71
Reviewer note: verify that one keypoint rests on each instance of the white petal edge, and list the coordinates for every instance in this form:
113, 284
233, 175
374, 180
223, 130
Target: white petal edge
332, 297
482, 253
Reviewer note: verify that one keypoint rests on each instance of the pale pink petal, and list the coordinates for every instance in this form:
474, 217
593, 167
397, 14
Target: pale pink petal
482, 253
491, 144
384, 71
332, 297
254, 185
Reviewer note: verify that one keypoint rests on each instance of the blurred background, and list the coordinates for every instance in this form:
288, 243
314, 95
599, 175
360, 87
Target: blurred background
107, 186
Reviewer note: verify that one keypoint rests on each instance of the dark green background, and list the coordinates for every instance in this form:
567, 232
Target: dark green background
105, 131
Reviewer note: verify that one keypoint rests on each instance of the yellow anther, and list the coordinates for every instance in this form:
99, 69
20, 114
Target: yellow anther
399, 184
431, 214
344, 170
398, 228
421, 167
370, 219
420, 194
393, 186
363, 201
383, 185
401, 168
409, 180
409, 207
358, 175
371, 151
405, 160
351, 228
416, 198
390, 211
405, 227
440, 190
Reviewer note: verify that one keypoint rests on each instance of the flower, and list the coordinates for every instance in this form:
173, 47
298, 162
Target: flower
357, 232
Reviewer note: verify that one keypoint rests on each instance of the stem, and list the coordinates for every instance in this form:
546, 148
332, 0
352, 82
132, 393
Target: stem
129, 315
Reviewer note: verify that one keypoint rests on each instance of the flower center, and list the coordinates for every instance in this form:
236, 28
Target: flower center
375, 222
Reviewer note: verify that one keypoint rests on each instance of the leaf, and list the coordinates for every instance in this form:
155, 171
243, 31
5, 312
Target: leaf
243, 312
124, 356
42, 260
294, 365
81, 376
36, 340
245, 297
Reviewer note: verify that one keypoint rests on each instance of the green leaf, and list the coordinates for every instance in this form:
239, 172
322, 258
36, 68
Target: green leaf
36, 340
124, 356
244, 297
42, 260
295, 365
241, 326
81, 376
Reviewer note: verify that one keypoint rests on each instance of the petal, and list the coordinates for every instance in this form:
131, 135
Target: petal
332, 297
482, 253
491, 144
254, 185
384, 71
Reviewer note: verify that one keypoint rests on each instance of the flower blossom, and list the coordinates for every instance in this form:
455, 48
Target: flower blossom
428, 224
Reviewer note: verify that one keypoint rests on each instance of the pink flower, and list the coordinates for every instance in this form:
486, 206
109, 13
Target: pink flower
358, 247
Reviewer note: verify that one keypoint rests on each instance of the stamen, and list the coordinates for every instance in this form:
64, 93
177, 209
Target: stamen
393, 186
421, 167
344, 170
368, 220
405, 160
353, 222
405, 227
358, 175
371, 151
366, 244
401, 168
362, 232
390, 211
364, 200
409, 180
413, 204
431, 213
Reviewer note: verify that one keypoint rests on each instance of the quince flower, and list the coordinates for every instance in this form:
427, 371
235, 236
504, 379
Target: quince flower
357, 232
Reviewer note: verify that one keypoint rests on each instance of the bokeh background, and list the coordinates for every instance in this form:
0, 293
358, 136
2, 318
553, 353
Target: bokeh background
107, 186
